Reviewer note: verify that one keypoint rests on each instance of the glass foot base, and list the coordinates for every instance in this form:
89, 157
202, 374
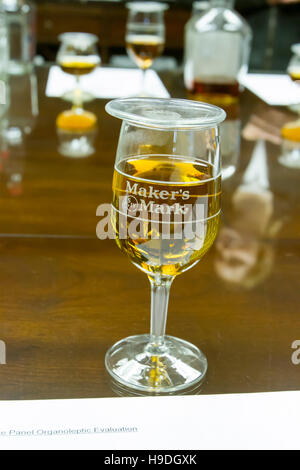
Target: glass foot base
171, 367
291, 160
78, 148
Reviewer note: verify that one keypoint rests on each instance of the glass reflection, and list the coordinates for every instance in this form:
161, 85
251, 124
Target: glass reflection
290, 147
230, 131
19, 117
244, 254
22, 98
3, 65
122, 391
76, 132
77, 56
290, 132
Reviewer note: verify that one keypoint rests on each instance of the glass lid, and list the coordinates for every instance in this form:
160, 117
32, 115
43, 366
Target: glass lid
165, 113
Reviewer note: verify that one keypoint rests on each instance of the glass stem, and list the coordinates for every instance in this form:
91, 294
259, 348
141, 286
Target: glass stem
143, 82
160, 291
77, 94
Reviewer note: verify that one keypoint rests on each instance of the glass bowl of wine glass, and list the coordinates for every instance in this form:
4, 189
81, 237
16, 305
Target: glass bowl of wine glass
145, 36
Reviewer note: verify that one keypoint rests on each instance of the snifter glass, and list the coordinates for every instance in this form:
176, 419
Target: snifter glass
290, 132
78, 56
165, 216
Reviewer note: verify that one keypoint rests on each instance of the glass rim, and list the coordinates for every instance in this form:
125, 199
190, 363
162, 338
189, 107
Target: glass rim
166, 113
147, 7
71, 35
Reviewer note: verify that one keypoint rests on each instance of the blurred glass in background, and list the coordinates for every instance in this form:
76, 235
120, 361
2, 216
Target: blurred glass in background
145, 35
78, 56
275, 25
19, 113
21, 20
12, 155
3, 62
290, 132
294, 64
230, 134
216, 53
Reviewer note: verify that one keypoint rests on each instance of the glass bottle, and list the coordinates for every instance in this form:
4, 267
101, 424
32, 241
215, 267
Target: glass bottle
217, 47
3, 62
20, 15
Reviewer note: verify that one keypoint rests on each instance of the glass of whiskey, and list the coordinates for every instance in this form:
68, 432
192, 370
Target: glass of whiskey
78, 56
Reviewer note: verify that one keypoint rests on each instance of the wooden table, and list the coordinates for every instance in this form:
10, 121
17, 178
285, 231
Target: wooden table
67, 296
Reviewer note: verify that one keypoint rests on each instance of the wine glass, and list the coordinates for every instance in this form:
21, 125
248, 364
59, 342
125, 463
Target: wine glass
290, 132
165, 216
78, 56
145, 35
294, 64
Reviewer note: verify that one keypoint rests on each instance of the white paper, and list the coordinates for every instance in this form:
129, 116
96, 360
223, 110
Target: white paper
106, 82
239, 421
278, 90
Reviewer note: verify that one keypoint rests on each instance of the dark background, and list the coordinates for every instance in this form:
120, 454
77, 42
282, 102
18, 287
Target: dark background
275, 28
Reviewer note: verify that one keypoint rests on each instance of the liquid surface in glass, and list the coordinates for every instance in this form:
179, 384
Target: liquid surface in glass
215, 90
79, 65
294, 73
